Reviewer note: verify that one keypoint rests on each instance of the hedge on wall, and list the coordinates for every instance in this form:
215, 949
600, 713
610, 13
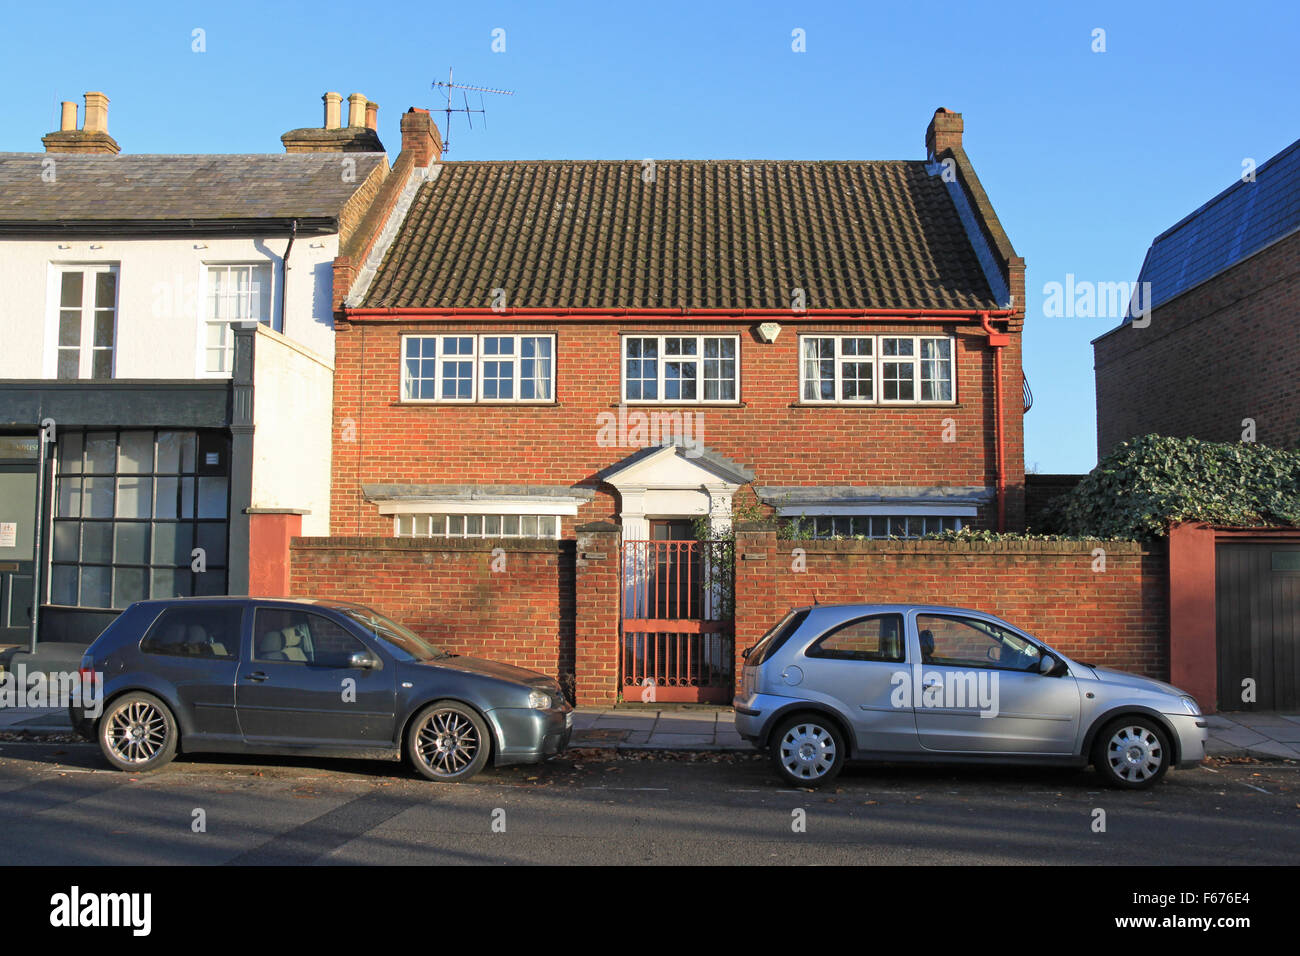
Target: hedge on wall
1144, 484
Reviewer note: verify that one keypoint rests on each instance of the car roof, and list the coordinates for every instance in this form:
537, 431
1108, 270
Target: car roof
894, 608
246, 598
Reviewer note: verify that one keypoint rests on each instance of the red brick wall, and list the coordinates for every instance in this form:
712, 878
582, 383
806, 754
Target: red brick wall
446, 591
1118, 617
1222, 352
378, 439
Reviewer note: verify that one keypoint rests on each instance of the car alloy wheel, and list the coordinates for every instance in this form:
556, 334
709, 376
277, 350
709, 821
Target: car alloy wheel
138, 732
808, 752
448, 742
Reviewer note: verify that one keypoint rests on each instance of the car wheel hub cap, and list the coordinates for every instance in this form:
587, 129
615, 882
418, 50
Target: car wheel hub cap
807, 751
1135, 754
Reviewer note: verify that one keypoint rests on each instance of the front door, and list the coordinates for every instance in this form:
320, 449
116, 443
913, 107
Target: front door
296, 687
978, 690
17, 540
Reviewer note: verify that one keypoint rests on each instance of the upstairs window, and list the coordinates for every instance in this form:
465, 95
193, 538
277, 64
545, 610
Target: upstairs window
478, 368
87, 322
681, 369
876, 370
234, 293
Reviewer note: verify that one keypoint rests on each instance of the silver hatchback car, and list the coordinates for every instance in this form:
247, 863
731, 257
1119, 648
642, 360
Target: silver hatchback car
918, 682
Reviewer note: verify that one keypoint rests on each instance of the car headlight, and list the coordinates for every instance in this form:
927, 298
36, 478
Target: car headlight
1190, 704
539, 700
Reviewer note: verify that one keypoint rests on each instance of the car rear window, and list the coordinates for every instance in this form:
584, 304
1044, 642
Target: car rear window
211, 631
771, 641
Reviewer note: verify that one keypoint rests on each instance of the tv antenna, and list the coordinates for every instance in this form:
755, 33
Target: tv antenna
469, 112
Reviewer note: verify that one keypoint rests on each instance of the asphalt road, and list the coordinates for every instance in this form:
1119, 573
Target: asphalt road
59, 805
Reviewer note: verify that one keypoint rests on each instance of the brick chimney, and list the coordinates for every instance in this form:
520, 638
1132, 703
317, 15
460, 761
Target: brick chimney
92, 138
359, 136
420, 136
943, 133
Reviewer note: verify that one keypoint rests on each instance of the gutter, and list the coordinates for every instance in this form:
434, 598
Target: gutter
913, 315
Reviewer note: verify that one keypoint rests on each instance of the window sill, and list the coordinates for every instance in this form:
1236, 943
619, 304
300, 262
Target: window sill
876, 405
641, 403
477, 404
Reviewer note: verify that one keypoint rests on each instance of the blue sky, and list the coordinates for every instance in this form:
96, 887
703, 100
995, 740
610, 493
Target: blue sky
1086, 156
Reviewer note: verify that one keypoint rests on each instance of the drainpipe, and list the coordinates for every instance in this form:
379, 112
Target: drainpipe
998, 341
284, 275
38, 566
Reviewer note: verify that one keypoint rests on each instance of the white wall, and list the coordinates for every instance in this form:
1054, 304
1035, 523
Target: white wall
159, 331
293, 399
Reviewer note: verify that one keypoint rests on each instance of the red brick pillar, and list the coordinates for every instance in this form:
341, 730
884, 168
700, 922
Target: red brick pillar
596, 613
757, 563
269, 533
1193, 635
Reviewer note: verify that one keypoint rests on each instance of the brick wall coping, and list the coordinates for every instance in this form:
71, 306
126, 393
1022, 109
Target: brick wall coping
537, 545
886, 546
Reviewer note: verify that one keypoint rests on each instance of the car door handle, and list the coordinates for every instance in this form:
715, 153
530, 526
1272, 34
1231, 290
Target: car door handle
257, 676
931, 683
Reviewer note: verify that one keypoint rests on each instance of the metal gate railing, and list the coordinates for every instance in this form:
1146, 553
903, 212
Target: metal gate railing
677, 639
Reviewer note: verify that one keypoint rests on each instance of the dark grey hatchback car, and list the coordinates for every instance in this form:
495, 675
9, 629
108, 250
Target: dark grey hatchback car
285, 676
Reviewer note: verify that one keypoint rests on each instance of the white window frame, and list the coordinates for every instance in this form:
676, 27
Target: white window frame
54, 299
660, 361
477, 360
424, 527
878, 369
274, 320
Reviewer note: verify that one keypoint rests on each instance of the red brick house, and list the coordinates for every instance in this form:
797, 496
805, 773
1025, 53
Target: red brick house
825, 337
554, 356
1216, 356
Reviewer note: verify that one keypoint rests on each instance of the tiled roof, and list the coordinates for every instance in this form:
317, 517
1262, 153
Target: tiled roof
1239, 221
698, 234
178, 187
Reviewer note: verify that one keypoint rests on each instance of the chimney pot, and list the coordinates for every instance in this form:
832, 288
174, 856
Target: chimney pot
68, 119
372, 115
96, 113
356, 110
943, 133
332, 101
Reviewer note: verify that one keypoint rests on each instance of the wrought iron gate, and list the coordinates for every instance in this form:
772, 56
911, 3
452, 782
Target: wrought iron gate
677, 639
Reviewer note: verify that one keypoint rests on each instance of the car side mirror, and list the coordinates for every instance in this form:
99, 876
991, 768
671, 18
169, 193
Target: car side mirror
745, 653
363, 660
1047, 665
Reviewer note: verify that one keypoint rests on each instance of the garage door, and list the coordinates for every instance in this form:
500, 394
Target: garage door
1258, 610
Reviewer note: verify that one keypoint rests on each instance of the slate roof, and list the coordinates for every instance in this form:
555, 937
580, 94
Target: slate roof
702, 234
177, 187
1239, 221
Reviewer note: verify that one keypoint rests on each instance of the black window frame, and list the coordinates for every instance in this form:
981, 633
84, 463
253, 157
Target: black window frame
187, 608
811, 650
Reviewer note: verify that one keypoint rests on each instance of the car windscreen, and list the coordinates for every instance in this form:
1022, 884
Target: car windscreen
400, 639
771, 641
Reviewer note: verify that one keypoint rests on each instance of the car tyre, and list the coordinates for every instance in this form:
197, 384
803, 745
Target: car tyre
1132, 753
137, 733
808, 750
448, 742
